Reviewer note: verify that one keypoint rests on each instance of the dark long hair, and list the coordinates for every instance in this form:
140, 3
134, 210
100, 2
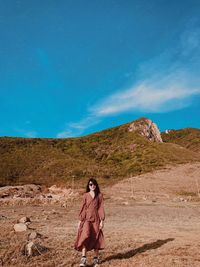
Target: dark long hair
94, 181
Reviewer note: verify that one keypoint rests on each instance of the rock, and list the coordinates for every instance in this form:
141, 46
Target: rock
144, 198
133, 147
34, 249
20, 227
33, 235
147, 128
64, 205
29, 249
25, 220
2, 217
54, 212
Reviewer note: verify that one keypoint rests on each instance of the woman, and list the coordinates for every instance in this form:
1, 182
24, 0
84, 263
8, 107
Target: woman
91, 222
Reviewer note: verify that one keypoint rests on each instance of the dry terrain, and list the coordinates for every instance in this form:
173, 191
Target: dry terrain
151, 220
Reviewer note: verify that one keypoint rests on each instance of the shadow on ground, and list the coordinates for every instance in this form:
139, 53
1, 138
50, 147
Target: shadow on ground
133, 252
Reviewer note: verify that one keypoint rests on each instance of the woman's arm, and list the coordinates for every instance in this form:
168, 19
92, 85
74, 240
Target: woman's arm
82, 212
101, 211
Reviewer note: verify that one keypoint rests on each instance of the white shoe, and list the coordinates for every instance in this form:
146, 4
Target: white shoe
95, 262
83, 262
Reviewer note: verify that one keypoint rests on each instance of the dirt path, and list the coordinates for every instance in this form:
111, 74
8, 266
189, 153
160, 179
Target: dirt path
148, 223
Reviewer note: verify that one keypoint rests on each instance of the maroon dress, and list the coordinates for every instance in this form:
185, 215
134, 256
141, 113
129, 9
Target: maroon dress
89, 233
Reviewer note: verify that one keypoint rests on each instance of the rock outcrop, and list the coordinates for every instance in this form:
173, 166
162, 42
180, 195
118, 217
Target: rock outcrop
22, 191
35, 194
146, 128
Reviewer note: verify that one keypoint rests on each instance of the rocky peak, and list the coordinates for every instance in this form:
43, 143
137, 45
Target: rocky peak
146, 128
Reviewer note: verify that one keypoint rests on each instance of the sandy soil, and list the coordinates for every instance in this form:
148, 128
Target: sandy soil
151, 220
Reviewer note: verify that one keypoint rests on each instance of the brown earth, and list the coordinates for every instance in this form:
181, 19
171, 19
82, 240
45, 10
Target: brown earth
151, 220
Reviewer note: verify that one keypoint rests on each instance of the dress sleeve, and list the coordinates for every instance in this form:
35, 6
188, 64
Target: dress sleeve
101, 211
82, 212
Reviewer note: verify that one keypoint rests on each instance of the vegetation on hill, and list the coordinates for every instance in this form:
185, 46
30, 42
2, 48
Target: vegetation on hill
188, 138
109, 155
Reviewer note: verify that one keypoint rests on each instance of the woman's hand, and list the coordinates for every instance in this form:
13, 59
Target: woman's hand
78, 225
101, 225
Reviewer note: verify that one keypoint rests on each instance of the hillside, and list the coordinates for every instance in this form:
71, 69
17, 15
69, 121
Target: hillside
188, 138
109, 155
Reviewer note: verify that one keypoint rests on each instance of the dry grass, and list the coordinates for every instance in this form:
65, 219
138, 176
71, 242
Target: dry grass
138, 231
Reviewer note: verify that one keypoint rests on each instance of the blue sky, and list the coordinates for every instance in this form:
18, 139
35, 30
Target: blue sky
73, 67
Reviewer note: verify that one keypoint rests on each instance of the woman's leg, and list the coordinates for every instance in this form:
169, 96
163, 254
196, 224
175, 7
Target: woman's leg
96, 253
96, 258
83, 259
84, 252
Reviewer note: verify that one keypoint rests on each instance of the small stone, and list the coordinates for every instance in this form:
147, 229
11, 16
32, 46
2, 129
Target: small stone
64, 205
2, 217
54, 212
33, 235
29, 249
20, 227
24, 220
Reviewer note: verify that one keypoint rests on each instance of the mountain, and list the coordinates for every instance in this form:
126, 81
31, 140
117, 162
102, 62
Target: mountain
110, 155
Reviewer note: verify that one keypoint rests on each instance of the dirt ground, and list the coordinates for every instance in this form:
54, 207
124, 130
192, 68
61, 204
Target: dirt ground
151, 220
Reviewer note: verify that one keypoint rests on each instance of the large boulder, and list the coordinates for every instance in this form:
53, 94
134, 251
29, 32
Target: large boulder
146, 128
20, 227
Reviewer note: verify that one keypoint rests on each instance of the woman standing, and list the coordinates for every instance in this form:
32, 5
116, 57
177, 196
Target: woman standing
91, 222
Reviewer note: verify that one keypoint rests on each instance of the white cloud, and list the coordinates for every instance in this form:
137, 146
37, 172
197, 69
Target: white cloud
165, 83
148, 96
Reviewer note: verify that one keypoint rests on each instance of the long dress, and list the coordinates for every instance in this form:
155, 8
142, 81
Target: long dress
89, 233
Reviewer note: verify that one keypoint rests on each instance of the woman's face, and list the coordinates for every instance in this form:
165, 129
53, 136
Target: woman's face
92, 186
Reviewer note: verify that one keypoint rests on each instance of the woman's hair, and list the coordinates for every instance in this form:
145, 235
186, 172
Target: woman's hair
94, 181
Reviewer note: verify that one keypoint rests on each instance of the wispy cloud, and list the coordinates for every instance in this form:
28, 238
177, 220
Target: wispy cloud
30, 134
168, 82
149, 96
26, 133
77, 128
165, 83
